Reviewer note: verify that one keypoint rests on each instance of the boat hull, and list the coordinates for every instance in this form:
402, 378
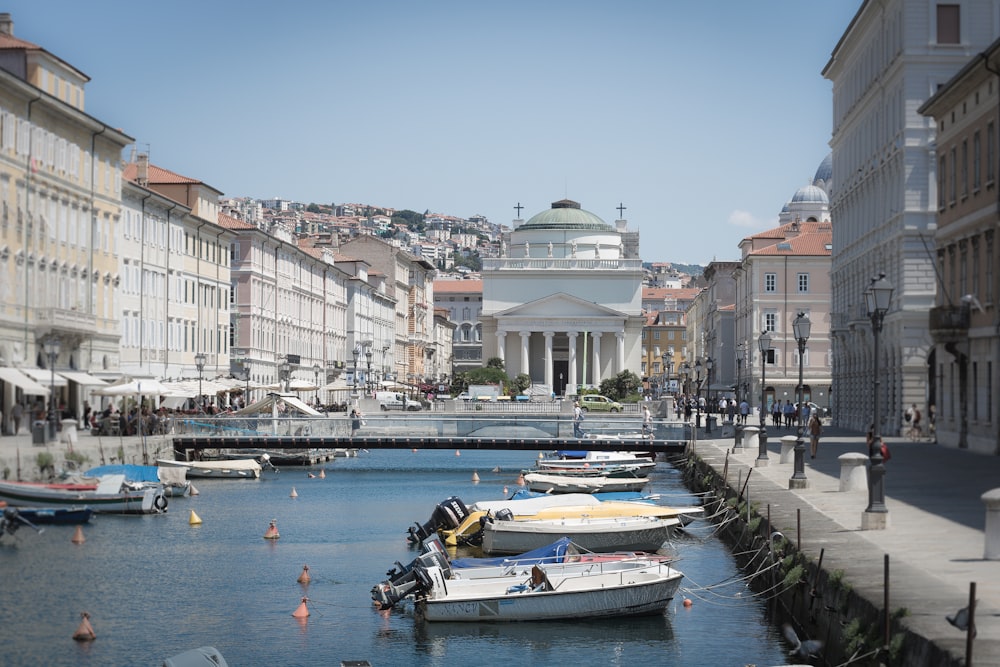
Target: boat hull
585, 484
56, 516
147, 501
599, 535
624, 593
226, 469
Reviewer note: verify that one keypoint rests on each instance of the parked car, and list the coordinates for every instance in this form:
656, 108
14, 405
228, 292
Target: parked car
599, 403
391, 400
813, 408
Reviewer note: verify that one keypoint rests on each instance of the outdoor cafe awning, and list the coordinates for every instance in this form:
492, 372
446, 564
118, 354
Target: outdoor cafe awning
44, 377
19, 379
81, 378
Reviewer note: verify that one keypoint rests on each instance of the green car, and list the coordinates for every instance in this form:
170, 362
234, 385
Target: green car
599, 403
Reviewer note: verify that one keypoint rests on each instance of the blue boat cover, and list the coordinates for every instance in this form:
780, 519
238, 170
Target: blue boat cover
547, 554
133, 473
522, 494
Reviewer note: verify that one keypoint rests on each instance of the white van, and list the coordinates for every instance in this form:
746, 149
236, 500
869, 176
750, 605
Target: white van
393, 400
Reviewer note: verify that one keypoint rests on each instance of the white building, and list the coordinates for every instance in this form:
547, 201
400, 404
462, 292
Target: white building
564, 299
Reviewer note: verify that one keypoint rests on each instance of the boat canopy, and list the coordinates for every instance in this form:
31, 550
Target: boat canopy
266, 406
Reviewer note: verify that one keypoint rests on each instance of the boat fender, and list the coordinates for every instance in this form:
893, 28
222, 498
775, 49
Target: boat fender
160, 502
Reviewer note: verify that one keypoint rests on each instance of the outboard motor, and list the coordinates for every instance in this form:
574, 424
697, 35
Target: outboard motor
408, 580
450, 513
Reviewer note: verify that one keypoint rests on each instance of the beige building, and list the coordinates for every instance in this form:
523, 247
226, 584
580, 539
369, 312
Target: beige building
463, 300
965, 359
60, 200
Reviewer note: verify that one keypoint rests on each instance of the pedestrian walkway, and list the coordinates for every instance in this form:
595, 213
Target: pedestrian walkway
935, 537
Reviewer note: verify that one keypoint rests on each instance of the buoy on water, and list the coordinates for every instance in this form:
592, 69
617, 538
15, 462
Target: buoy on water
302, 611
505, 492
293, 494
414, 450
194, 519
322, 473
312, 476
304, 578
475, 476
458, 453
84, 631
687, 602
78, 537
272, 531
194, 491
520, 479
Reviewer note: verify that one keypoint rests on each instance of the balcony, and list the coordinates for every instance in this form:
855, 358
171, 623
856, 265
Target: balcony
69, 320
949, 324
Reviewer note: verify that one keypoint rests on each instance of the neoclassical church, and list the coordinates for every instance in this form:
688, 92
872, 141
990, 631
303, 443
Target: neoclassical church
563, 302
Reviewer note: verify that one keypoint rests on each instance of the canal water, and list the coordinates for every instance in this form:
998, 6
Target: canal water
156, 586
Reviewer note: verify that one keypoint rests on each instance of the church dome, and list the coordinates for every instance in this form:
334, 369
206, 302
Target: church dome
825, 170
810, 194
566, 214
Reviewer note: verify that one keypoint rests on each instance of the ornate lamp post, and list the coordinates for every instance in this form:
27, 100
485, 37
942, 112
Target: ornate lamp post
685, 373
284, 374
52, 347
697, 393
798, 480
316, 370
368, 377
876, 516
356, 353
199, 363
708, 395
764, 344
740, 351
246, 375
668, 368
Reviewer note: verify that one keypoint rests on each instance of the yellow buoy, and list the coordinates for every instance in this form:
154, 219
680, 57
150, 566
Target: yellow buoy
475, 476
194, 519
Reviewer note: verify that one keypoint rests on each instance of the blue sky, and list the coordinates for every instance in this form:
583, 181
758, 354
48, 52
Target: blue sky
701, 118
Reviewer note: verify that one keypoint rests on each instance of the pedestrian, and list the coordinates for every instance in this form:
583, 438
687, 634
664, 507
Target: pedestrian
16, 413
744, 411
647, 422
776, 413
355, 421
577, 420
789, 412
815, 429
731, 409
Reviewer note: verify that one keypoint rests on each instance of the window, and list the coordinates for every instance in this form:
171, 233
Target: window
952, 176
770, 321
976, 159
770, 282
948, 24
234, 251
965, 168
942, 183
656, 335
963, 270
989, 267
990, 152
803, 282
770, 356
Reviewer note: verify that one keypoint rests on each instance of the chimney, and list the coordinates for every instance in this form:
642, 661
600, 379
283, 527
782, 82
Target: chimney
142, 169
6, 24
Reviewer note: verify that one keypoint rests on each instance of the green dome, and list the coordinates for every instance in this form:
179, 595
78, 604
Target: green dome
566, 214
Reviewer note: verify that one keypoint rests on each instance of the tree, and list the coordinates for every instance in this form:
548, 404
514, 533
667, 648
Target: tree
488, 375
494, 362
621, 386
520, 384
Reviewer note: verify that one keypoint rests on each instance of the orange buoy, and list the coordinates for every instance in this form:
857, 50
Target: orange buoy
311, 476
84, 631
414, 450
322, 473
458, 453
272, 531
475, 476
304, 578
78, 537
293, 494
520, 479
194, 491
302, 611
687, 602
505, 491
194, 519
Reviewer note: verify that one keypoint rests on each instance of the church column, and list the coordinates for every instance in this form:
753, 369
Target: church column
525, 338
501, 345
571, 371
548, 356
620, 362
596, 374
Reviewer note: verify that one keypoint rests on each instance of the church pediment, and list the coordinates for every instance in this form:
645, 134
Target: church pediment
559, 306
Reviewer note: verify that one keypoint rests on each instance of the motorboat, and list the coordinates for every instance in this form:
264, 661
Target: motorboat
582, 483
459, 524
542, 591
226, 469
173, 480
572, 459
111, 496
503, 535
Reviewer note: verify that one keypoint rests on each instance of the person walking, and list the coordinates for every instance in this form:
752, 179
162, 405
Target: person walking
744, 411
647, 422
16, 413
355, 421
815, 429
577, 420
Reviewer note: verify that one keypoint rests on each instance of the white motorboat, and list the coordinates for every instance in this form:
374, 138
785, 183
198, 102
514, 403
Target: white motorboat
545, 483
109, 496
601, 534
594, 459
626, 587
234, 469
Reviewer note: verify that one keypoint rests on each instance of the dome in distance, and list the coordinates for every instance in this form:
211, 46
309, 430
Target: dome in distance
565, 214
810, 194
825, 170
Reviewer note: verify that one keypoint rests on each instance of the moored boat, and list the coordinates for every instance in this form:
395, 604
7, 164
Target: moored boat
109, 497
582, 483
628, 533
56, 516
571, 459
228, 469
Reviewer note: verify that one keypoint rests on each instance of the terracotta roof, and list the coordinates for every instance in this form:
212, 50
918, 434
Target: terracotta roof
679, 293
12, 43
156, 175
788, 229
458, 287
229, 222
818, 244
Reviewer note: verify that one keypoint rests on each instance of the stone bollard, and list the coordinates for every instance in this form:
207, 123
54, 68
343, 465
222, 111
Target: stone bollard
751, 439
853, 471
68, 433
739, 436
992, 501
728, 430
787, 449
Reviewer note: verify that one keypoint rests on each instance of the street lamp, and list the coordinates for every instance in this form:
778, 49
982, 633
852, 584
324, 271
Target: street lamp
764, 343
356, 353
685, 373
877, 296
368, 378
697, 393
316, 370
668, 368
199, 363
52, 346
708, 396
740, 351
798, 480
